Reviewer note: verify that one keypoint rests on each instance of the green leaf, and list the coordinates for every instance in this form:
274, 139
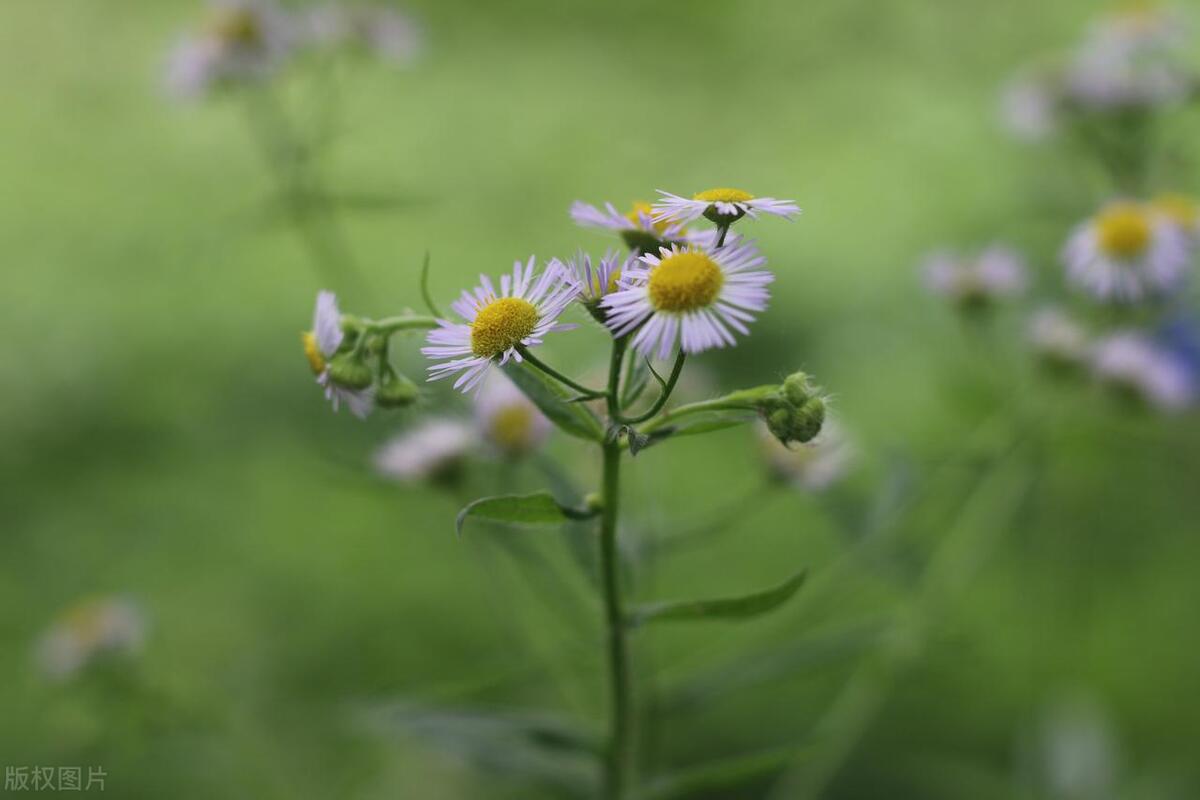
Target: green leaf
539, 508
555, 402
726, 608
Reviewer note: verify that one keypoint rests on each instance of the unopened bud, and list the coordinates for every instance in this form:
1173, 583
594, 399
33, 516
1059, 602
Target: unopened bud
593, 501
395, 391
350, 371
798, 388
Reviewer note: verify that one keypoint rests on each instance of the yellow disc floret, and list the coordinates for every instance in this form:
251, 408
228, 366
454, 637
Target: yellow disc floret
313, 352
1179, 208
723, 196
1123, 230
501, 325
237, 26
685, 281
643, 209
511, 428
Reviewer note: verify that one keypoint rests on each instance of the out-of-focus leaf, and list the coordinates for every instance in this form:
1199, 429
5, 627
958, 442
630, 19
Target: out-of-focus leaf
555, 402
544, 748
539, 508
722, 774
723, 608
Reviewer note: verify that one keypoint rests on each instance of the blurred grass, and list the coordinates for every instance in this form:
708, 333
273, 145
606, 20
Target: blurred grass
159, 434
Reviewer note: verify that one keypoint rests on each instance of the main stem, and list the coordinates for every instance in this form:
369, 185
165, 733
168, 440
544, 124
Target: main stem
619, 763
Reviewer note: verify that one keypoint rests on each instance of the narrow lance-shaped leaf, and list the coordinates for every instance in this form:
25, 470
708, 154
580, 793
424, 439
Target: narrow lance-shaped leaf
555, 401
539, 508
724, 608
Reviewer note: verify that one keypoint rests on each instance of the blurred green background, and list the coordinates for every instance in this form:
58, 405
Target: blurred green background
160, 436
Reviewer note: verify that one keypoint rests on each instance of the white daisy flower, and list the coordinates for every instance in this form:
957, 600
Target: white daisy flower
1132, 362
432, 450
720, 206
1127, 252
995, 273
1058, 338
637, 227
814, 466
321, 344
92, 629
244, 40
381, 31
597, 279
497, 323
692, 294
508, 420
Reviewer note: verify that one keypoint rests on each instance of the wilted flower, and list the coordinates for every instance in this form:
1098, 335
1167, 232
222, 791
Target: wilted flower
433, 450
692, 294
1058, 339
383, 32
507, 420
344, 377
721, 206
497, 323
814, 466
1136, 365
244, 40
973, 282
1127, 252
92, 629
638, 227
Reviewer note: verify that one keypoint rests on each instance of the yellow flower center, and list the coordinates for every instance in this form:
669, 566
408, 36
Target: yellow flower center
236, 26
511, 428
641, 209
312, 352
685, 281
501, 325
1123, 230
1179, 208
723, 196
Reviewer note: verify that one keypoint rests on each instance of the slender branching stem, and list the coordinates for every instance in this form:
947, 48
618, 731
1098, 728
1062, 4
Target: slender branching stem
558, 376
389, 325
663, 396
619, 755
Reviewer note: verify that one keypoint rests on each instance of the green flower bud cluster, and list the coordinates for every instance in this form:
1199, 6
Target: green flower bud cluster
351, 369
795, 411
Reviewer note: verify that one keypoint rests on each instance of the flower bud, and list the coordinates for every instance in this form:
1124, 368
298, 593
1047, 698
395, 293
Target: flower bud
349, 371
796, 412
798, 388
395, 390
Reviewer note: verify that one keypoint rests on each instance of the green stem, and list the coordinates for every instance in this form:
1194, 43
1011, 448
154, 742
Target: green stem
614, 376
558, 376
620, 750
735, 401
663, 396
389, 325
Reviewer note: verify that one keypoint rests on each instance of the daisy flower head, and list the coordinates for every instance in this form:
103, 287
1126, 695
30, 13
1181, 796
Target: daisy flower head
496, 324
1127, 252
243, 41
638, 228
507, 420
691, 293
1138, 367
98, 627
975, 282
346, 382
720, 206
434, 450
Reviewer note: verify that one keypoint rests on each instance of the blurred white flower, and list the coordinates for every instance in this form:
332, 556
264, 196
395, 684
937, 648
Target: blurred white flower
94, 628
433, 449
243, 41
814, 466
1126, 253
1029, 107
1058, 338
1132, 363
1182, 210
995, 273
383, 32
320, 345
1077, 754
507, 420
